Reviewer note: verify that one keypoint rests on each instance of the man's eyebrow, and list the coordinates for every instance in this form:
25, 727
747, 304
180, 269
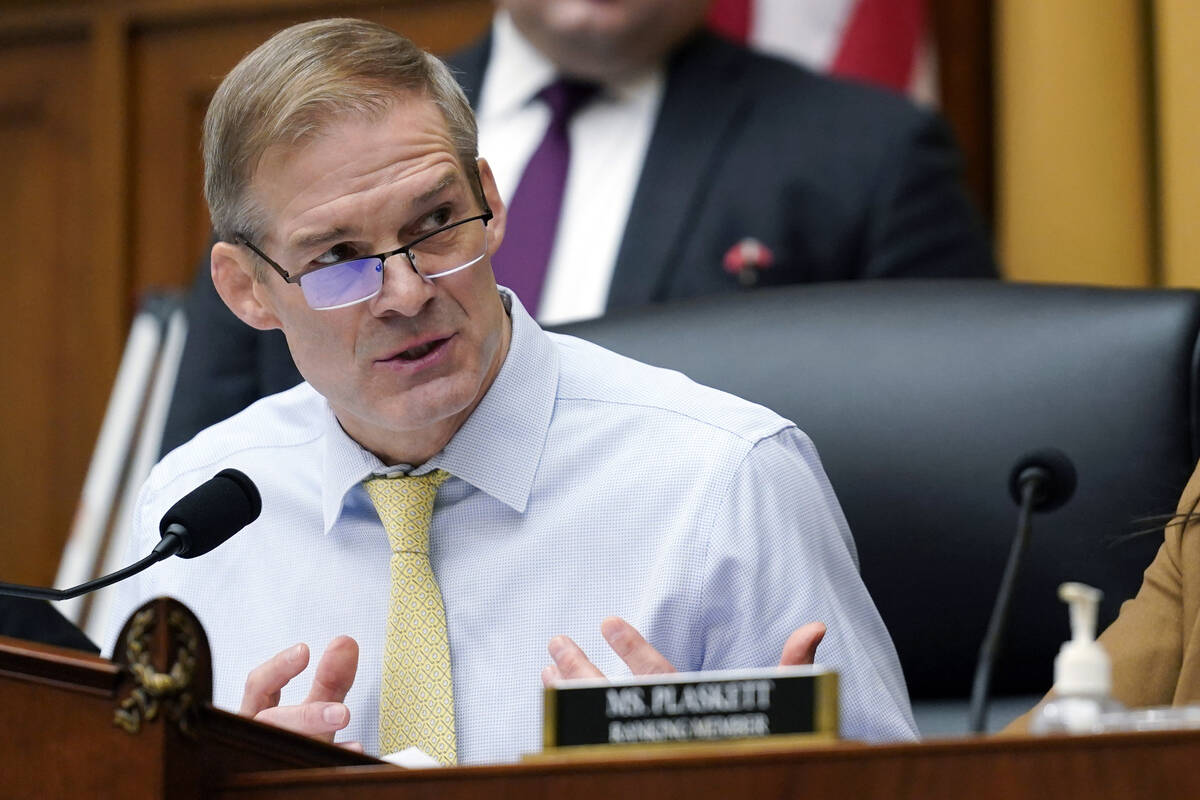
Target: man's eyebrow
449, 179
318, 238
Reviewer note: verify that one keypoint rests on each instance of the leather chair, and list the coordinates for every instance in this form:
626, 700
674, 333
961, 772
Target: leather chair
920, 397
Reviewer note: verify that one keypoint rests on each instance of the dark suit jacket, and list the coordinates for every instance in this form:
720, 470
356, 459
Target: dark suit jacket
838, 181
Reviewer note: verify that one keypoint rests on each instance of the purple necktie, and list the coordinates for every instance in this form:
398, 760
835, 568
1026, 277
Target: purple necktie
521, 262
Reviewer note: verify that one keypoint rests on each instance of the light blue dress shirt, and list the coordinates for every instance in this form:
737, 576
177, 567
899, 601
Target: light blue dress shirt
585, 485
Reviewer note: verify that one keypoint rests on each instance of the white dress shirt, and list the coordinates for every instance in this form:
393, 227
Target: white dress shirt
609, 137
584, 485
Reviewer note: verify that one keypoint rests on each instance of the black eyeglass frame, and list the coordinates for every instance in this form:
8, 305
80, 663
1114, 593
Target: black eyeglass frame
486, 216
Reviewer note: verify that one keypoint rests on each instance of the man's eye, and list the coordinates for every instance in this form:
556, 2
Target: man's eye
435, 220
339, 252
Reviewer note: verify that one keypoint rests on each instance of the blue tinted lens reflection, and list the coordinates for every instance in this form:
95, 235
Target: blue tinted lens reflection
342, 284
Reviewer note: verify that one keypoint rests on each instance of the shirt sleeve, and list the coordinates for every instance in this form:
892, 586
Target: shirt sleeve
781, 555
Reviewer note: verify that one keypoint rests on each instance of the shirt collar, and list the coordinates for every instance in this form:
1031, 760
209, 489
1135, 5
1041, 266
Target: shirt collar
497, 450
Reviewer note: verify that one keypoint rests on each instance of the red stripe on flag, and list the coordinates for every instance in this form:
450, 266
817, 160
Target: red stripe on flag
731, 18
880, 43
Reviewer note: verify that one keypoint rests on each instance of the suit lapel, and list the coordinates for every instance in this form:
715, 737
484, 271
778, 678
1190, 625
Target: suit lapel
703, 100
468, 66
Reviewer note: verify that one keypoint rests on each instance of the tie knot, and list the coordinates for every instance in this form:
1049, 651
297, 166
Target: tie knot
566, 96
405, 506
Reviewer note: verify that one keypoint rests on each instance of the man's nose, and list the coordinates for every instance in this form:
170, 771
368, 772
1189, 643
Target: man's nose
404, 290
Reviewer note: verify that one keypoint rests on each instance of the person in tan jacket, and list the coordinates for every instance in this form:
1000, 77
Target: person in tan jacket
1154, 642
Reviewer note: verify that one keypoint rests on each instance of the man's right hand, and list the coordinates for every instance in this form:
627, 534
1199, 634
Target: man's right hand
322, 714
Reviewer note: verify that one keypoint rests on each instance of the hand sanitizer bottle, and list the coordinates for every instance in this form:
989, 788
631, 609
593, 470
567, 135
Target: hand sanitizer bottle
1082, 671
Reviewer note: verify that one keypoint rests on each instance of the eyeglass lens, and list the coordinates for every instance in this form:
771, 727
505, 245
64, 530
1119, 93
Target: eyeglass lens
351, 282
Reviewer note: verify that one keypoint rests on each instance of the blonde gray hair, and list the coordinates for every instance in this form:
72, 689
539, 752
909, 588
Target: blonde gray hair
299, 81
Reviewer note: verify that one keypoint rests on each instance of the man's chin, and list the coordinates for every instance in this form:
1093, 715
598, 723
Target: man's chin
429, 405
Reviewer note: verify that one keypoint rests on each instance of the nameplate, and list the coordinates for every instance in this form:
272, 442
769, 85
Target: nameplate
687, 707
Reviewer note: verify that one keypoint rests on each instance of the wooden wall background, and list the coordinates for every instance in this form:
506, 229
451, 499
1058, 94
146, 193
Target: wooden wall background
100, 110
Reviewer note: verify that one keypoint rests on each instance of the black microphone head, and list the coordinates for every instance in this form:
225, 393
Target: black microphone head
1053, 472
213, 512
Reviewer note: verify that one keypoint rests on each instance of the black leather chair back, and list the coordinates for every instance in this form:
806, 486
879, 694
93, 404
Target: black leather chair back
920, 396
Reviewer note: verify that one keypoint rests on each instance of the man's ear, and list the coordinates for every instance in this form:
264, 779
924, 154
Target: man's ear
233, 276
499, 213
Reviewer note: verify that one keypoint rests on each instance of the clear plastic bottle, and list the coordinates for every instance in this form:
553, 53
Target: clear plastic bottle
1082, 672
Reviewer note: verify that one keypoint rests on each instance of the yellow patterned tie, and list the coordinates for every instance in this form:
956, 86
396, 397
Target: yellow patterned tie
416, 698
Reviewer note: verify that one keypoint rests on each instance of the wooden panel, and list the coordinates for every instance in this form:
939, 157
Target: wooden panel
56, 369
177, 66
68, 745
1072, 132
1176, 39
962, 30
1147, 765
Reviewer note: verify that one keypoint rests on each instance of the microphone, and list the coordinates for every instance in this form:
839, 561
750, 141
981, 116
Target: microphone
1041, 480
200, 521
207, 516
1051, 474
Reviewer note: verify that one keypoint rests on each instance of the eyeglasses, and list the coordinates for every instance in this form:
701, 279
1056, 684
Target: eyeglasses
445, 251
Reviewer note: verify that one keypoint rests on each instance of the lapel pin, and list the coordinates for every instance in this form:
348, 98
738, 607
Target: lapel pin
746, 259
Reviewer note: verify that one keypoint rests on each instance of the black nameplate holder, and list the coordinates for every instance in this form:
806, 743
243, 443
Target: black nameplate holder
692, 707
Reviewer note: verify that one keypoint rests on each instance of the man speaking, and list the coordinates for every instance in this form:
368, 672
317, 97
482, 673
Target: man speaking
456, 504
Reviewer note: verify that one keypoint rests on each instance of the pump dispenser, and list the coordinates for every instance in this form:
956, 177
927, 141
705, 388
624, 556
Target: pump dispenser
1082, 671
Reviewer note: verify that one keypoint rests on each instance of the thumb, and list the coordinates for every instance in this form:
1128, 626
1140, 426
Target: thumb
801, 647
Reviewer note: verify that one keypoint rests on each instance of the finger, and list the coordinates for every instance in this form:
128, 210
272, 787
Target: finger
265, 682
353, 746
335, 672
635, 651
801, 646
321, 720
570, 661
550, 675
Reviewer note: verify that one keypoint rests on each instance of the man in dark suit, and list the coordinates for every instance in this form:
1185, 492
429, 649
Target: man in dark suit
755, 173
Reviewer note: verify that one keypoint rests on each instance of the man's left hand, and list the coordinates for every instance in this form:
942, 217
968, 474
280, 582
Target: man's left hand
571, 662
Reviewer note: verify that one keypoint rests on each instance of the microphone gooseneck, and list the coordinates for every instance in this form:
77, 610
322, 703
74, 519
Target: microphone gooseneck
1041, 480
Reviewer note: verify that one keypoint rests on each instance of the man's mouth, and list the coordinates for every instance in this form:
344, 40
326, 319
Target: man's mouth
419, 351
